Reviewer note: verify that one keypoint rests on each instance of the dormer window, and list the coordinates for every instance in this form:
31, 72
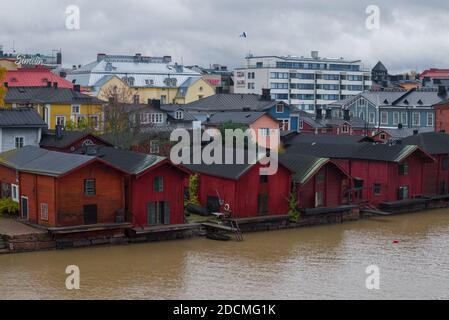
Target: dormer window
280, 108
345, 128
420, 102
179, 115
385, 101
406, 101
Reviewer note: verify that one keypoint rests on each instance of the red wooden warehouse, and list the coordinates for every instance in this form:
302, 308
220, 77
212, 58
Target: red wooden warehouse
319, 181
153, 189
57, 189
243, 188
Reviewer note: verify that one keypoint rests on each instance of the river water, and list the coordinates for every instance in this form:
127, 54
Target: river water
325, 262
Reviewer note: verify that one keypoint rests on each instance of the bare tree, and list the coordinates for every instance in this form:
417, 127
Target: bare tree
118, 117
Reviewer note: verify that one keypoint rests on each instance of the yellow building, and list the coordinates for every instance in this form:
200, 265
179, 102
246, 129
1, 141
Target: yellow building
148, 78
62, 106
8, 63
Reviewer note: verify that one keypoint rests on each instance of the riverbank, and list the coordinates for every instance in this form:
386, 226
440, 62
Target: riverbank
17, 236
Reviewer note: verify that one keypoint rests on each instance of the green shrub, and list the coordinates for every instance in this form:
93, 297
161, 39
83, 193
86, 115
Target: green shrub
8, 206
293, 206
193, 189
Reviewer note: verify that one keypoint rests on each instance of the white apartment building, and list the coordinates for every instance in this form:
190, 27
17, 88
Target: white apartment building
305, 83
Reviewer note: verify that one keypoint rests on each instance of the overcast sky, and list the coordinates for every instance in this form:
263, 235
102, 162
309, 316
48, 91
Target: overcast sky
413, 34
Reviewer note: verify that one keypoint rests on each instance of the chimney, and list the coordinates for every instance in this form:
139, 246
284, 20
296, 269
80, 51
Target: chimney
328, 114
55, 85
100, 57
442, 91
155, 102
319, 114
346, 115
77, 88
266, 94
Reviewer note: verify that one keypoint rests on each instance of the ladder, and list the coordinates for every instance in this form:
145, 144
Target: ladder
236, 229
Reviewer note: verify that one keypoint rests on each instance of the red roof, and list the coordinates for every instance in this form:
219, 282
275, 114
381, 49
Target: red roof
435, 73
35, 77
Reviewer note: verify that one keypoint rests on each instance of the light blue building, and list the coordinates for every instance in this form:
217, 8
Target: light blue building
396, 108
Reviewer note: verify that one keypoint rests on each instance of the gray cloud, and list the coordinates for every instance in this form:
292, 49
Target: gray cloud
413, 34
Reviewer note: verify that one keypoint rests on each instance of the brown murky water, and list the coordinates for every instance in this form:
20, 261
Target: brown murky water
326, 262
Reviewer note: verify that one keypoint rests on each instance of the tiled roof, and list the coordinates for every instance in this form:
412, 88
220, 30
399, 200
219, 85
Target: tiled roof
41, 161
21, 117
48, 95
35, 77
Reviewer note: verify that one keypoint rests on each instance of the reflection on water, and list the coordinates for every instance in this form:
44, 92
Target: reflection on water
325, 262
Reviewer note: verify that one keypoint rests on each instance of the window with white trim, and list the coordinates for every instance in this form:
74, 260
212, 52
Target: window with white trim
384, 117
430, 119
44, 211
395, 118
179, 114
94, 120
15, 192
154, 146
372, 117
416, 119
404, 118
76, 109
264, 132
280, 108
60, 120
345, 128
157, 118
19, 142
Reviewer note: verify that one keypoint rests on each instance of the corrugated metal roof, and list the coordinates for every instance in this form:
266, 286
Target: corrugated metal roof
21, 117
41, 161
36, 77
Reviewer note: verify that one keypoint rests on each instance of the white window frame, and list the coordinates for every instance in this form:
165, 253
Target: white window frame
16, 188
15, 141
264, 132
74, 107
78, 117
432, 117
395, 123
372, 117
404, 116
156, 117
282, 122
179, 114
60, 117
345, 128
381, 117
154, 146
413, 119
44, 211
280, 105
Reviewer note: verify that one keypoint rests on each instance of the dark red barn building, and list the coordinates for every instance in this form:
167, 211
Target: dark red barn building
69, 141
154, 192
319, 181
56, 189
243, 188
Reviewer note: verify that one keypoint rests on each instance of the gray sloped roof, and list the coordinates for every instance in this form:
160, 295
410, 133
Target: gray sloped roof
431, 142
125, 160
325, 138
229, 102
406, 132
302, 166
68, 137
380, 67
363, 151
424, 97
235, 117
48, 95
20, 117
41, 161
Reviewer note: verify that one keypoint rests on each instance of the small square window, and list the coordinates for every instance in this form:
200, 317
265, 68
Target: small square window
75, 109
44, 211
403, 169
89, 187
377, 189
158, 184
19, 142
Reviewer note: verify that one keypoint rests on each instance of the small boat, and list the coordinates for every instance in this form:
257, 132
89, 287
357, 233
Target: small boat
192, 208
218, 236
